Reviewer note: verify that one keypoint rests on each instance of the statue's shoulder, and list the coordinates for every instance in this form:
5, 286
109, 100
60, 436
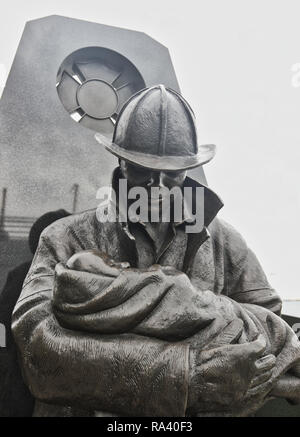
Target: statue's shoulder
80, 227
227, 239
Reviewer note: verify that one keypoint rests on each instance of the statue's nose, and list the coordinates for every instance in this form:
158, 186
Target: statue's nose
156, 179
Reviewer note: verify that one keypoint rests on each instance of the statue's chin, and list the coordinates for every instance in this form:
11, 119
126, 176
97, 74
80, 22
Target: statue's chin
160, 204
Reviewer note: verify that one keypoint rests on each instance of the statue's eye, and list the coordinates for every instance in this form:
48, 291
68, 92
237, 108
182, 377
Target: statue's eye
173, 174
140, 174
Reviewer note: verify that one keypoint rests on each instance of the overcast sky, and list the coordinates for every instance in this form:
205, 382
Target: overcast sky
236, 63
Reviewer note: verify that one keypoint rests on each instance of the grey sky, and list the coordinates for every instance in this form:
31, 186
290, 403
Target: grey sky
233, 60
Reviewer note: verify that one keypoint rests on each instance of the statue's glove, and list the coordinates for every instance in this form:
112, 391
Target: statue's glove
229, 379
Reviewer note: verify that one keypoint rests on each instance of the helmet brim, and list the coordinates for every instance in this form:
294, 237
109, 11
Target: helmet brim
169, 163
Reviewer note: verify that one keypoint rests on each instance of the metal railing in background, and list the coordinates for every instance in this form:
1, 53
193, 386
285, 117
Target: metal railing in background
16, 227
13, 227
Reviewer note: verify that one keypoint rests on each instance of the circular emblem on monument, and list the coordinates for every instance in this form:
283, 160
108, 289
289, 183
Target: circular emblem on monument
93, 83
97, 98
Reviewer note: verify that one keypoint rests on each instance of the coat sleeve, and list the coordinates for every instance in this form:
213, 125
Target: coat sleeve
253, 287
245, 280
126, 374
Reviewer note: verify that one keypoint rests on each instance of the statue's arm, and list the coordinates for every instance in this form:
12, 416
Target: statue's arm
252, 287
126, 374
244, 278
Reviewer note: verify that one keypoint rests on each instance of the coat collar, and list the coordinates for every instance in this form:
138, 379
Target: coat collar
212, 202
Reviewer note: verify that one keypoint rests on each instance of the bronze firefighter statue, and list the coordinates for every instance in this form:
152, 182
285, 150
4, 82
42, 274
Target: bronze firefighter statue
131, 316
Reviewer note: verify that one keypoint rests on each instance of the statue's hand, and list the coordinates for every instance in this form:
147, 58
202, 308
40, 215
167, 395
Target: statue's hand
94, 261
230, 377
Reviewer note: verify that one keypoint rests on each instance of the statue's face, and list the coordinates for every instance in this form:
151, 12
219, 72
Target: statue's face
148, 178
